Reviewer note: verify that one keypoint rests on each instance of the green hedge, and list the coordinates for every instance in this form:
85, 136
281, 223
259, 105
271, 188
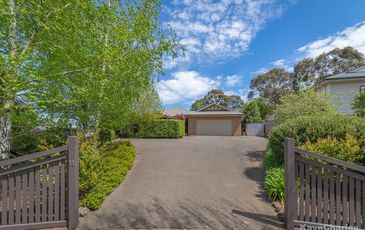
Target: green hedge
163, 128
311, 128
316, 133
102, 170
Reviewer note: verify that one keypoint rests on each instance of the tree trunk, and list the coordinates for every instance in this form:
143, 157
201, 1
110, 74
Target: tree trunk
5, 131
6, 103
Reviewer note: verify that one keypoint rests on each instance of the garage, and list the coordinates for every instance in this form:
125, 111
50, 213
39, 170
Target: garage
214, 120
208, 127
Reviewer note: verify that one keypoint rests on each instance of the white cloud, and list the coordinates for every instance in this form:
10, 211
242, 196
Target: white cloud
184, 86
351, 36
240, 92
213, 30
233, 80
260, 71
282, 63
187, 86
279, 63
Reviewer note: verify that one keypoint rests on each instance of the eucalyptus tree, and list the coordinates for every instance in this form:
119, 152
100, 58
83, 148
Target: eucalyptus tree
86, 61
217, 96
271, 85
311, 71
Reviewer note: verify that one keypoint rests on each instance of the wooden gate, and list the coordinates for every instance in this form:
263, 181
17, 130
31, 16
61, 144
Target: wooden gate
40, 190
321, 190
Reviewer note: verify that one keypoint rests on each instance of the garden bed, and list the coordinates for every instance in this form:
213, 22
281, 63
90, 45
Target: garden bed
102, 169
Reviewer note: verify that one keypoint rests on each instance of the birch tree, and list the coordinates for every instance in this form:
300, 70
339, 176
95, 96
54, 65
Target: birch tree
82, 60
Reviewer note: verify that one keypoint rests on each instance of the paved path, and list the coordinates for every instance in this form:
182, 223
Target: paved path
191, 183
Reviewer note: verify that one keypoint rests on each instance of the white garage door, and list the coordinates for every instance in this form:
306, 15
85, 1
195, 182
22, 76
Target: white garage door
214, 127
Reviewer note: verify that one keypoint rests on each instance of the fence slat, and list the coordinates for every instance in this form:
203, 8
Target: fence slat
345, 203
332, 198
331, 160
363, 204
4, 199
325, 196
319, 195
44, 193
338, 199
313, 194
37, 194
63, 195
301, 191
32, 156
73, 185
57, 192
18, 190
358, 203
31, 196
339, 192
24, 198
11, 198
351, 202
50, 193
307, 193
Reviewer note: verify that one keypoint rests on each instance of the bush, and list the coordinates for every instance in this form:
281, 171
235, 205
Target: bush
314, 127
347, 149
359, 104
256, 110
103, 169
274, 184
89, 164
163, 128
303, 104
271, 160
274, 178
106, 135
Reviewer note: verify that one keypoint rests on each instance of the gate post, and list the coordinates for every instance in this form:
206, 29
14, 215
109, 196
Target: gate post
290, 195
73, 182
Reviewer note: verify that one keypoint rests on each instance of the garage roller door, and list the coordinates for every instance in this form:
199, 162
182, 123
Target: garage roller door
214, 127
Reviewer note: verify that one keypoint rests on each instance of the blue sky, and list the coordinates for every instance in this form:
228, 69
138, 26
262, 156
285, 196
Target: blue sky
229, 42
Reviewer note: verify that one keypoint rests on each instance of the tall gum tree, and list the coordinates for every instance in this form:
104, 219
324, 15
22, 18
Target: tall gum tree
54, 59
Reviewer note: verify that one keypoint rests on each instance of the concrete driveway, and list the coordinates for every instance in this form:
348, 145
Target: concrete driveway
196, 182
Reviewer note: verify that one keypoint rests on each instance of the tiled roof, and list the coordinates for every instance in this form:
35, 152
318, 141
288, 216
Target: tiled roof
175, 111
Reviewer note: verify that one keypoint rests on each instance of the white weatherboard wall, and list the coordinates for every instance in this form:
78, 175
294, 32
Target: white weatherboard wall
344, 93
214, 127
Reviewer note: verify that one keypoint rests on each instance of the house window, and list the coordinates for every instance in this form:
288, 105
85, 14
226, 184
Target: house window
362, 88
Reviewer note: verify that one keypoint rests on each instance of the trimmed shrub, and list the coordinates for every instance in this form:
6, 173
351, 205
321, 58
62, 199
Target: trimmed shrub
311, 128
347, 149
163, 128
106, 135
257, 110
303, 104
103, 169
271, 160
274, 184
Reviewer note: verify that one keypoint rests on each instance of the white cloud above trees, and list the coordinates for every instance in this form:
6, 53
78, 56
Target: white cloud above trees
187, 86
351, 36
184, 86
212, 30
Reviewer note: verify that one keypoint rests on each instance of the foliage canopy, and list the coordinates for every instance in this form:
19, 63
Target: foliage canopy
359, 104
83, 61
217, 96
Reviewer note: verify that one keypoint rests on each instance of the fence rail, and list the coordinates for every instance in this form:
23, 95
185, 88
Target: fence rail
321, 190
40, 190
